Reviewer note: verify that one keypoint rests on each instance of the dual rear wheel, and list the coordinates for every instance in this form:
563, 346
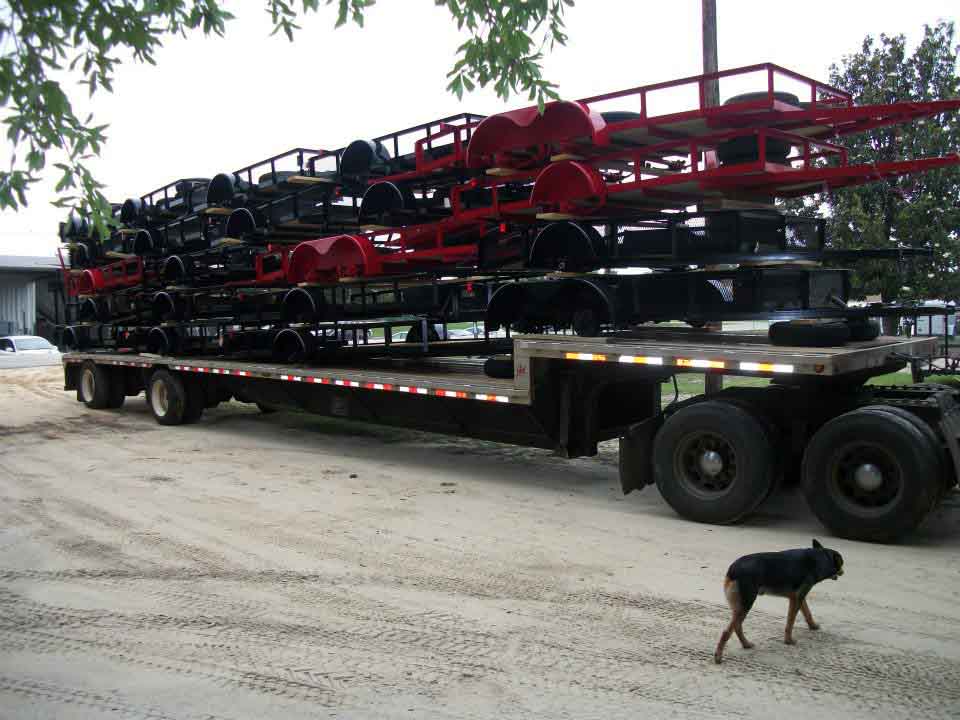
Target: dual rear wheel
871, 474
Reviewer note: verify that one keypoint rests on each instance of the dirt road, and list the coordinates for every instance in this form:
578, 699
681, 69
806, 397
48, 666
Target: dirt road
286, 566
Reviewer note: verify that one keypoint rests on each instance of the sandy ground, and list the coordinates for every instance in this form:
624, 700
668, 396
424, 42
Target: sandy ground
287, 566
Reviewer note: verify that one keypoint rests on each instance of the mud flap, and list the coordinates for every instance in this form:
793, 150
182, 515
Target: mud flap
636, 453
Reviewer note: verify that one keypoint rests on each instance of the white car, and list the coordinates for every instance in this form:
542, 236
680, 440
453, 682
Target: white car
25, 350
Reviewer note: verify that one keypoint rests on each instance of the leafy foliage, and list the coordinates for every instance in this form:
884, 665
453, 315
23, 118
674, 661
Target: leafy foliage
42, 40
917, 210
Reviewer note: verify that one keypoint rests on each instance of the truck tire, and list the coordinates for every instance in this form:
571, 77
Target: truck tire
713, 462
167, 398
117, 390
809, 333
93, 389
773, 433
934, 446
196, 399
863, 330
869, 475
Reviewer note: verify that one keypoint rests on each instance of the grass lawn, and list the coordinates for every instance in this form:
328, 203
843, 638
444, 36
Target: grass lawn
691, 384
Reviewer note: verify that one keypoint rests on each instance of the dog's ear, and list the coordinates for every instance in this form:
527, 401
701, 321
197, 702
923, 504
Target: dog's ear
817, 545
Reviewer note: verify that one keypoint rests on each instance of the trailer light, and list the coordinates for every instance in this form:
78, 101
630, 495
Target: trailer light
701, 364
766, 367
641, 359
585, 356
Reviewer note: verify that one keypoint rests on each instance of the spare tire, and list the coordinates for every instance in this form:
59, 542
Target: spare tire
499, 367
810, 333
863, 330
745, 149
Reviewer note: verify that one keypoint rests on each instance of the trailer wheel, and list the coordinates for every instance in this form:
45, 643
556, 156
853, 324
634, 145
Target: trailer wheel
93, 390
934, 447
167, 398
869, 475
196, 399
713, 462
116, 389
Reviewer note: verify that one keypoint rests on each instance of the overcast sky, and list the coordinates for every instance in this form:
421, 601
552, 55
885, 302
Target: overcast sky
212, 105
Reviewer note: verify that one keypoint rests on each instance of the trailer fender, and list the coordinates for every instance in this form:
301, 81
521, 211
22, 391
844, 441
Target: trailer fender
560, 121
636, 454
567, 246
303, 305
580, 301
332, 258
563, 183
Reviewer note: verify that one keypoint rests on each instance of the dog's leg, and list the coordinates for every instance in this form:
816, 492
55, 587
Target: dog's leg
747, 645
724, 637
807, 615
731, 589
791, 618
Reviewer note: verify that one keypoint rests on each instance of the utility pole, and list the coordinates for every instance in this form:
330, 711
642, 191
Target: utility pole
711, 383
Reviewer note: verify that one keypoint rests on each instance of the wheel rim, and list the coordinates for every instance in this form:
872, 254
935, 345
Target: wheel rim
705, 464
87, 384
865, 479
160, 398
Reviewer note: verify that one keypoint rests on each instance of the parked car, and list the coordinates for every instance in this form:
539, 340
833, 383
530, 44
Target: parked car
28, 347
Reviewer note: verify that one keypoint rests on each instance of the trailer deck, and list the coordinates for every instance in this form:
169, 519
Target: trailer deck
663, 350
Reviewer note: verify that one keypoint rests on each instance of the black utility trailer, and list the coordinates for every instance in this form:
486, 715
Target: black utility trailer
872, 461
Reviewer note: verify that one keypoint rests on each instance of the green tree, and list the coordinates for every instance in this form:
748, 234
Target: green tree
921, 210
42, 41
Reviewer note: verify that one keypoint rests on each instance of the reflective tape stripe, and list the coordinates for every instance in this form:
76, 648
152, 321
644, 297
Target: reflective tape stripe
702, 364
766, 367
641, 359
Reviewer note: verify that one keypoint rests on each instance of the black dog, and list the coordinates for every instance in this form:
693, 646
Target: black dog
790, 574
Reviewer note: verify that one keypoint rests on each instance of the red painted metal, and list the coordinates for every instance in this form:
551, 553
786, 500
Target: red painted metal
527, 128
332, 258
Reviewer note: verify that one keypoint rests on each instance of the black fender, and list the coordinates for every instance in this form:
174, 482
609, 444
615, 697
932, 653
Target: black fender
303, 305
550, 302
291, 345
567, 246
162, 341
174, 269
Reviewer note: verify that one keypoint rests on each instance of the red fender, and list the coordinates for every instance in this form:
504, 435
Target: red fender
561, 121
90, 282
568, 181
328, 259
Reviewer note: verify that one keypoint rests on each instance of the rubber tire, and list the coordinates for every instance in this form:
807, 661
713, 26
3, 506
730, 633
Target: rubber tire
809, 334
774, 437
176, 398
863, 330
100, 378
917, 467
933, 442
117, 390
751, 448
196, 399
498, 367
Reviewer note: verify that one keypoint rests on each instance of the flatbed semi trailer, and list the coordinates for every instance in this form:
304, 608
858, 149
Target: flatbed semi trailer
872, 461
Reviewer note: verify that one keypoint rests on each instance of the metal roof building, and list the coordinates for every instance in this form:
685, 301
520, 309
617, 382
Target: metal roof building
28, 291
